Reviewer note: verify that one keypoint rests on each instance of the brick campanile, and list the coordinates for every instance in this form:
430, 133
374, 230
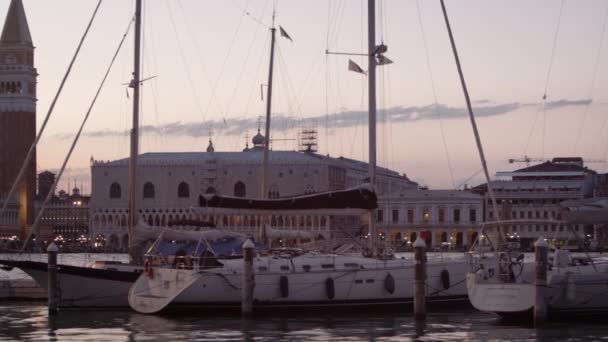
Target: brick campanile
17, 110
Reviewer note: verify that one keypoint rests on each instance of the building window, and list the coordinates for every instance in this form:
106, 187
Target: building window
183, 190
379, 215
115, 191
148, 190
410, 216
395, 215
441, 215
273, 192
210, 190
456, 215
239, 189
309, 189
426, 216
472, 215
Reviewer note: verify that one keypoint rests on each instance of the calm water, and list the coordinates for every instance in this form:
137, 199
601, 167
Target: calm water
30, 322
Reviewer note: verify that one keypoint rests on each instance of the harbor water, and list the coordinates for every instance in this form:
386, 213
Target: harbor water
29, 321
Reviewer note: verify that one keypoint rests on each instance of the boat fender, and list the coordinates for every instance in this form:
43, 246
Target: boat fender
329, 288
284, 286
148, 271
389, 283
445, 279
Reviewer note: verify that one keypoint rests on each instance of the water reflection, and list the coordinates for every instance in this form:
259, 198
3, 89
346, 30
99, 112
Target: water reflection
32, 323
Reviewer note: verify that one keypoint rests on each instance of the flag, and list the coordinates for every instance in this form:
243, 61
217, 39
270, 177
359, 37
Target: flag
383, 60
352, 66
284, 34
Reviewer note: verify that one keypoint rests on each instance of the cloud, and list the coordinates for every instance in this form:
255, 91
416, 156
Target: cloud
344, 118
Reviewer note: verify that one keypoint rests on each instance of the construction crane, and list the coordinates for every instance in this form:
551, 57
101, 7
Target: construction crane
525, 159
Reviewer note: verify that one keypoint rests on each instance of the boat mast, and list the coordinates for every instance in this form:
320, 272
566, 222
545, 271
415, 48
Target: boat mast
268, 109
135, 84
371, 85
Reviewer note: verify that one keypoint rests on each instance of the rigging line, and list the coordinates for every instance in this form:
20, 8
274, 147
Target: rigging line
30, 152
248, 14
338, 22
76, 138
542, 108
228, 53
252, 89
184, 62
148, 28
223, 67
435, 98
244, 65
472, 118
593, 79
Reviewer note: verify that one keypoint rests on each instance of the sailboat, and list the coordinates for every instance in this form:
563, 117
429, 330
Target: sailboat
298, 279
101, 283
503, 283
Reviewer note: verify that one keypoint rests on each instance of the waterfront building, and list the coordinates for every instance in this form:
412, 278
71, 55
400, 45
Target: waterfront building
17, 114
535, 193
9, 222
170, 183
66, 218
443, 218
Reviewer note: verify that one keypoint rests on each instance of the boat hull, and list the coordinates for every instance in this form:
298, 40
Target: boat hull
220, 288
83, 286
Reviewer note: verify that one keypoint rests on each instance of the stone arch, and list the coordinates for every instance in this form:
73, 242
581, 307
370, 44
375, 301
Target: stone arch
125, 242
114, 243
413, 237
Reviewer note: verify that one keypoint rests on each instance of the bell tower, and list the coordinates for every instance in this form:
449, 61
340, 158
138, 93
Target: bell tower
17, 110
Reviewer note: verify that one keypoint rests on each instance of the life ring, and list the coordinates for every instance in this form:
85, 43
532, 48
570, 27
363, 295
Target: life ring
148, 270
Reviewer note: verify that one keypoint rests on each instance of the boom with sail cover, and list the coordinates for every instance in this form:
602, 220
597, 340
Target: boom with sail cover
354, 198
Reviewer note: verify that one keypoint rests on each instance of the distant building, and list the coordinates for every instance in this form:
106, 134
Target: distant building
170, 183
444, 218
45, 183
66, 218
17, 111
535, 193
9, 221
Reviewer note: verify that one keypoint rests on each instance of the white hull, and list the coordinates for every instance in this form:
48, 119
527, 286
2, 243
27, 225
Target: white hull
364, 282
571, 289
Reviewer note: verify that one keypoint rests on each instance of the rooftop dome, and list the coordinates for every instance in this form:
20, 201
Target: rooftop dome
258, 140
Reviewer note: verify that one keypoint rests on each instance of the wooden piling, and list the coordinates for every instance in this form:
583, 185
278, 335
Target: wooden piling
53, 284
540, 303
420, 280
248, 278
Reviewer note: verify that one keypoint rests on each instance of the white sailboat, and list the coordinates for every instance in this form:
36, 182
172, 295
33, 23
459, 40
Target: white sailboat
101, 283
504, 283
301, 279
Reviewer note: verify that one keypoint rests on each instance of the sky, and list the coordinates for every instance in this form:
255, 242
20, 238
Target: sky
208, 60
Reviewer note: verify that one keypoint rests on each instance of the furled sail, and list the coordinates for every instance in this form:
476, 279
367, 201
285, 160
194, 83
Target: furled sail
361, 197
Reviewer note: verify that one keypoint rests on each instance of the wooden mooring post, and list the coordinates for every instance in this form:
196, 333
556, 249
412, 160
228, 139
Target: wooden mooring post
248, 278
420, 279
540, 303
53, 284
